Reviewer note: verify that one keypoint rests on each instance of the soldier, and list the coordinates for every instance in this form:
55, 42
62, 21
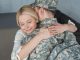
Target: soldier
69, 49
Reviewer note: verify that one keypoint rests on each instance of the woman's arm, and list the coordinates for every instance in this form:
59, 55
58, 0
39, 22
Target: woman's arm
17, 45
66, 22
70, 27
28, 48
60, 28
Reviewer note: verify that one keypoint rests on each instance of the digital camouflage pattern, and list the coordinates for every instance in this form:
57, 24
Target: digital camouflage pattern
63, 47
48, 4
59, 47
50, 22
68, 50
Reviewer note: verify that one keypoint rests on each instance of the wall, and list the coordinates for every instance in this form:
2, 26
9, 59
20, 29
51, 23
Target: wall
71, 8
12, 5
6, 42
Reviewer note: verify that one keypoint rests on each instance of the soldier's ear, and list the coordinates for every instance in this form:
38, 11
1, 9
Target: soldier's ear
41, 10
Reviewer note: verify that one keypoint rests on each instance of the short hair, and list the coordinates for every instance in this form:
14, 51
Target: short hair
30, 11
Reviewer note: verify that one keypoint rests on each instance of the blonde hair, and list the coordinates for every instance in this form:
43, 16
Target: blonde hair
29, 10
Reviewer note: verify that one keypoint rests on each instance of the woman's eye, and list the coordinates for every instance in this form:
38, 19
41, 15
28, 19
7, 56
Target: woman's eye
22, 24
29, 21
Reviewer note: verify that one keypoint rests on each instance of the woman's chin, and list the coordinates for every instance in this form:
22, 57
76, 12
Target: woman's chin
29, 32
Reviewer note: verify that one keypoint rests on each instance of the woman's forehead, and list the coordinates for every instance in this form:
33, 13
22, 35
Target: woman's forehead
25, 17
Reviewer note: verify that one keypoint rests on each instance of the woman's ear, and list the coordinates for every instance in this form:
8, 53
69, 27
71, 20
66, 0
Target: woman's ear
36, 9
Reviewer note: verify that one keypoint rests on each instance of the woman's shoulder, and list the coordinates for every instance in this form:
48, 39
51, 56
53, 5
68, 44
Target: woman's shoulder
19, 35
19, 32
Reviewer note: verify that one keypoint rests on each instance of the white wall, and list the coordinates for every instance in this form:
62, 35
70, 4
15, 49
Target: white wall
12, 5
69, 7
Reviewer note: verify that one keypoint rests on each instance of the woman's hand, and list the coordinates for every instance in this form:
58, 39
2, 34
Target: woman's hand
57, 29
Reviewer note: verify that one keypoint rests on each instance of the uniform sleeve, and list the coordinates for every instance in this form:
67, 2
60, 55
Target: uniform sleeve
17, 45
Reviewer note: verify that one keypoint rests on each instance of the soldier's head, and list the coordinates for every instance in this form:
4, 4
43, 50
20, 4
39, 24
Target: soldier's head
47, 4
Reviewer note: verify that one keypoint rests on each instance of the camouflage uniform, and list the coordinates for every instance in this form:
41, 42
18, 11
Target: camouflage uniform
68, 49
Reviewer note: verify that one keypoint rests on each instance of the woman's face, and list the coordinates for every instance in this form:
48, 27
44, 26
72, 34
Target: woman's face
27, 23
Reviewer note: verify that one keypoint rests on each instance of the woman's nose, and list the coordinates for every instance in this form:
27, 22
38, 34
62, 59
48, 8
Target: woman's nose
27, 26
